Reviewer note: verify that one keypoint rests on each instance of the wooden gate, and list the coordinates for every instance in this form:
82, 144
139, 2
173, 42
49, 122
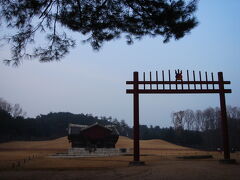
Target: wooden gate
178, 85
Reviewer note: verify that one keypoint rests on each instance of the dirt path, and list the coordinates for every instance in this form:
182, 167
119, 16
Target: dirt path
164, 169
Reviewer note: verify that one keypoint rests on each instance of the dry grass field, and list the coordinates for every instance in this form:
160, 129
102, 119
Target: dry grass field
30, 160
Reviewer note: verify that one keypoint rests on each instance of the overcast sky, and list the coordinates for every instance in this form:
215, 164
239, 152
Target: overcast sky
95, 82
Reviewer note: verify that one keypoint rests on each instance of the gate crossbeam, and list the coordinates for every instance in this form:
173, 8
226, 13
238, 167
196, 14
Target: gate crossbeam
178, 82
184, 91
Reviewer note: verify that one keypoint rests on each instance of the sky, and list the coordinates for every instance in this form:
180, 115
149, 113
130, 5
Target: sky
92, 82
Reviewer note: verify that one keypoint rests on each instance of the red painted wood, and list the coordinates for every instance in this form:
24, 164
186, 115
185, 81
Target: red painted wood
221, 91
224, 122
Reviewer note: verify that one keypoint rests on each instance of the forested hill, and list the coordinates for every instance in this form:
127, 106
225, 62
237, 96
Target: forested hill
54, 125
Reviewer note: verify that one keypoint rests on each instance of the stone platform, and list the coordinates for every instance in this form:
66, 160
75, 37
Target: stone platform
91, 152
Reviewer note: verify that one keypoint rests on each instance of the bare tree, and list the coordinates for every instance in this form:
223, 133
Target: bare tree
14, 110
233, 112
177, 119
210, 121
189, 119
4, 105
17, 111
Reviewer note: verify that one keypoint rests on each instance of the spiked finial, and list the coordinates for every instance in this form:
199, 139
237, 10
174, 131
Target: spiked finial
178, 75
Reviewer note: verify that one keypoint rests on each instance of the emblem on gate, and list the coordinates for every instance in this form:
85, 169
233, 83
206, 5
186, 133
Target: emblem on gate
178, 75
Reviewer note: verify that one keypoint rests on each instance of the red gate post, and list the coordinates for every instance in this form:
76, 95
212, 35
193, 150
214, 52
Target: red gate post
136, 116
224, 122
136, 157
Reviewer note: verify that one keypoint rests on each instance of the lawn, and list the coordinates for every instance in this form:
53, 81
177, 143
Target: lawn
28, 160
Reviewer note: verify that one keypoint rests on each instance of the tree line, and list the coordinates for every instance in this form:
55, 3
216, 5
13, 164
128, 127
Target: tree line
14, 125
208, 123
200, 128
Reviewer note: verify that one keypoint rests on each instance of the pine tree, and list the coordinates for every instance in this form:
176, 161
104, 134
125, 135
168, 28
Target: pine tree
98, 20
